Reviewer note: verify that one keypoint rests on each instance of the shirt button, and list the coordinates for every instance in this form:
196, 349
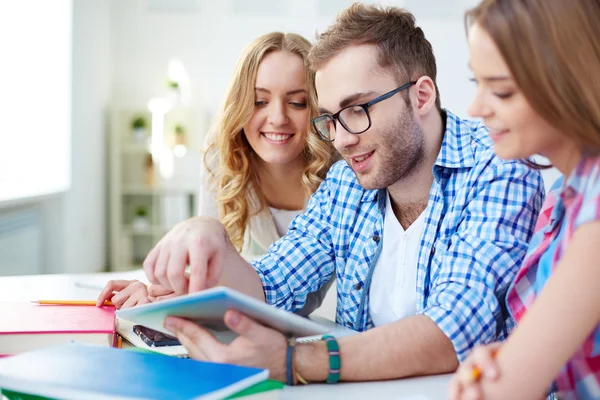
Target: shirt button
433, 251
357, 286
376, 238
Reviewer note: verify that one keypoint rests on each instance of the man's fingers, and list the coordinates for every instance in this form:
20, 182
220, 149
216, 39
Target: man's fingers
215, 267
176, 269
158, 290
150, 262
248, 328
199, 342
198, 264
165, 297
160, 268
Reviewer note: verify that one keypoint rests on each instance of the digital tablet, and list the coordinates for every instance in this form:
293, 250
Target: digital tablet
208, 307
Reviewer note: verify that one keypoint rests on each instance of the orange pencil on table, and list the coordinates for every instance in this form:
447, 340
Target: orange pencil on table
71, 302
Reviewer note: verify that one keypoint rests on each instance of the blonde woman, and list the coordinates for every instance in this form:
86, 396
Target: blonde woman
262, 162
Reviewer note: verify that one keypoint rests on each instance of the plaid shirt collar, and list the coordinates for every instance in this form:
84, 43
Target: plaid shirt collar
454, 152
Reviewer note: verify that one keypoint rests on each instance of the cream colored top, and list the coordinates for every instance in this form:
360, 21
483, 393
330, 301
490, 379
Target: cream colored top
259, 236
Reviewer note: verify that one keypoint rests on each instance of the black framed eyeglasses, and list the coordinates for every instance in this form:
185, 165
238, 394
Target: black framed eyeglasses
354, 118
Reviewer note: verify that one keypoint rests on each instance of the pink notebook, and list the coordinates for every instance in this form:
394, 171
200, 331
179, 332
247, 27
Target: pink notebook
27, 326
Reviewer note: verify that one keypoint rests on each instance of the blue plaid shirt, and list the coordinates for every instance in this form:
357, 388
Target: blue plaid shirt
479, 219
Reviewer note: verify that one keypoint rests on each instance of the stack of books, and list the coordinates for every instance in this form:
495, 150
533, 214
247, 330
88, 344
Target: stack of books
64, 351
28, 326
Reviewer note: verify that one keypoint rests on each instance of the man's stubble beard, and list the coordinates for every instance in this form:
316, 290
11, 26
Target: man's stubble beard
401, 152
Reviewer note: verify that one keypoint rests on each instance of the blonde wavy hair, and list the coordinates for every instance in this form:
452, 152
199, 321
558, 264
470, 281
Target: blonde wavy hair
229, 157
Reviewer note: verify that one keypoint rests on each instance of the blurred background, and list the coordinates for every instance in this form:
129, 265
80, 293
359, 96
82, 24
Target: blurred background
104, 105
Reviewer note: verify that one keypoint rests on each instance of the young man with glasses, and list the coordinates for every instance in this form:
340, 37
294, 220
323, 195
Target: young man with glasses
423, 226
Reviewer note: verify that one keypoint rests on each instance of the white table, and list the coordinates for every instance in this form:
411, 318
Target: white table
69, 287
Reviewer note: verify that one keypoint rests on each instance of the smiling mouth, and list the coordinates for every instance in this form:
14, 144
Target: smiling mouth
362, 157
277, 137
498, 133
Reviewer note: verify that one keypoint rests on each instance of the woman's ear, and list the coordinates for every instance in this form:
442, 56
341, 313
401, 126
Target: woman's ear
425, 94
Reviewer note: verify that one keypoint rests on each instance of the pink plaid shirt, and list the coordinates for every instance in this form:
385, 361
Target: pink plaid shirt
566, 208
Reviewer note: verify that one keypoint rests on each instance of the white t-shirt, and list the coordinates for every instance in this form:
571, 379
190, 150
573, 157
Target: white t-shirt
283, 218
393, 290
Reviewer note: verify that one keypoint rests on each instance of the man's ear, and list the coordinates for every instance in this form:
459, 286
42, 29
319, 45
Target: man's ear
425, 95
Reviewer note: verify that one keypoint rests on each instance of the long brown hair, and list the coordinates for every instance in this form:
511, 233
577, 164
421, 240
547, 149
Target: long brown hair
230, 158
552, 48
402, 44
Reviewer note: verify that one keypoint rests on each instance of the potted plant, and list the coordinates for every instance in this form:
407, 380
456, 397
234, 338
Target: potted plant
173, 85
149, 170
138, 126
141, 223
174, 91
179, 134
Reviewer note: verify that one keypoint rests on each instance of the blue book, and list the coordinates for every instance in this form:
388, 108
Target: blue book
78, 371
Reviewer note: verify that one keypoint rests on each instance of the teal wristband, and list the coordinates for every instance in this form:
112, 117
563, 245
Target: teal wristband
335, 362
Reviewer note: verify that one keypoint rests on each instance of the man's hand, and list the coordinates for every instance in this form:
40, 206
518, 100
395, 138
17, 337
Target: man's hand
256, 345
200, 242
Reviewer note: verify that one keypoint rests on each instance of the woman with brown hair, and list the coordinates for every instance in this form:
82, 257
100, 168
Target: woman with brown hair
536, 66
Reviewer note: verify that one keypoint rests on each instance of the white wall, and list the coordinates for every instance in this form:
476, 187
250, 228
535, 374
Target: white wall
75, 223
209, 36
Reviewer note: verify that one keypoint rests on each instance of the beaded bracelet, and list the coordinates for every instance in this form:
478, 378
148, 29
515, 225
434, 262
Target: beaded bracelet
335, 362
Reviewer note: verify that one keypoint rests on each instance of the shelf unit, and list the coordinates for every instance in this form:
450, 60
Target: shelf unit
137, 186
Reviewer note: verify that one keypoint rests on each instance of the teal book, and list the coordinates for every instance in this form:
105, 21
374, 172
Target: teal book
79, 371
265, 386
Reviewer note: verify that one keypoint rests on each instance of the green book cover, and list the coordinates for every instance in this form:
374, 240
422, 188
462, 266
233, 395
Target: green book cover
263, 386
10, 395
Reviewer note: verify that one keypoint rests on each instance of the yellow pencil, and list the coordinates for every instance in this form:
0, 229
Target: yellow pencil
71, 302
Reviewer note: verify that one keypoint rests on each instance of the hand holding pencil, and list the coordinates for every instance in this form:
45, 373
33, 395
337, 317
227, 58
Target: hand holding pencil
479, 365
